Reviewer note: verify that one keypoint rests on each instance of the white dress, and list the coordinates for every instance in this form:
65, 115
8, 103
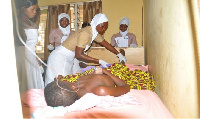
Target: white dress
61, 61
34, 75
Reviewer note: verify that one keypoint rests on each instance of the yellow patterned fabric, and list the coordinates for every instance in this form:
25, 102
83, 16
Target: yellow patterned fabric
137, 79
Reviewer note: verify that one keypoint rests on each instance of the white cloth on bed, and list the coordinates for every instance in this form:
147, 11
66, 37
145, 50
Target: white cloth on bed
86, 102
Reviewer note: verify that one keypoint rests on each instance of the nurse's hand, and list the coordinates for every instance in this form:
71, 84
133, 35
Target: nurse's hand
50, 47
121, 57
103, 63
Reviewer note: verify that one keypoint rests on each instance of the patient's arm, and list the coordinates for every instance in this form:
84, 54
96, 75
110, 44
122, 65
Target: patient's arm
116, 79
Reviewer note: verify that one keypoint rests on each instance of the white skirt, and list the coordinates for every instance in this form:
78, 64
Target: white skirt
61, 61
34, 75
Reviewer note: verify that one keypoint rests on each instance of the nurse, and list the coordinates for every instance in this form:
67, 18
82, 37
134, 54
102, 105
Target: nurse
28, 70
124, 38
60, 34
62, 58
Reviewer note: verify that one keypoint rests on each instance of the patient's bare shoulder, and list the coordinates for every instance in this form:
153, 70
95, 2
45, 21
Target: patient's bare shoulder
102, 90
101, 80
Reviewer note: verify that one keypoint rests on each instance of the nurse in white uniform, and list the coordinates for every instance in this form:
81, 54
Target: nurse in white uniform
124, 38
33, 71
28, 69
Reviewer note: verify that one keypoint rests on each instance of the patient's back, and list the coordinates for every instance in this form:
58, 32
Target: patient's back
88, 82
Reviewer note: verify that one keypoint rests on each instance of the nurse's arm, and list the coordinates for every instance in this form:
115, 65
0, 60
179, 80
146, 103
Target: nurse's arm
79, 54
109, 47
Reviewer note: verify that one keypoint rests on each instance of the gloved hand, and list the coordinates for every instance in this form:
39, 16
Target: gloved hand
121, 57
50, 47
133, 45
103, 63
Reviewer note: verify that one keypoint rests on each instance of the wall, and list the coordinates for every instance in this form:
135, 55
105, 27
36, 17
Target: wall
115, 10
169, 49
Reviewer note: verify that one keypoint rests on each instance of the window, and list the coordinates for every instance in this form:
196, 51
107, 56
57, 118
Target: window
41, 32
76, 15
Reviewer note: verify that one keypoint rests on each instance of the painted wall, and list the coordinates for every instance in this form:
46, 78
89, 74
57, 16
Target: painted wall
115, 10
169, 52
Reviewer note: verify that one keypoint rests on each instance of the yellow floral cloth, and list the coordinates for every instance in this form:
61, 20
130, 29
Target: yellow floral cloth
137, 79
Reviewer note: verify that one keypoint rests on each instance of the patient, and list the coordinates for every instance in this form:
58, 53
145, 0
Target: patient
101, 83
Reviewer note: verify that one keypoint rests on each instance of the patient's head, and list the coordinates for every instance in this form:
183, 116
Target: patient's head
56, 96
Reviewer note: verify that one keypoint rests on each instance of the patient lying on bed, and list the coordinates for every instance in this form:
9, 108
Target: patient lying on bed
101, 83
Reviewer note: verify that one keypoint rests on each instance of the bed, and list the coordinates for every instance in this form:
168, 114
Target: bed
140, 102
144, 104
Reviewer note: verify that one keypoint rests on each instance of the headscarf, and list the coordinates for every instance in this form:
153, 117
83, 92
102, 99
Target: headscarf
66, 30
97, 19
124, 20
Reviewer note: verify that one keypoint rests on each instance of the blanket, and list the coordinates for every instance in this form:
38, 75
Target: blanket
137, 77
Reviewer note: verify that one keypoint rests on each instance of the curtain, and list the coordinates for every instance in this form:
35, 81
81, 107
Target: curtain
52, 22
90, 9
